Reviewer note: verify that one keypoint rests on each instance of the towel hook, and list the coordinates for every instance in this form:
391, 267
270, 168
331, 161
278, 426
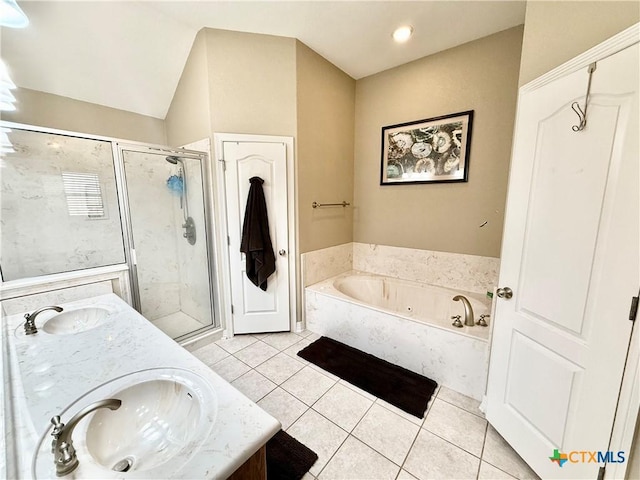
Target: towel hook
575, 106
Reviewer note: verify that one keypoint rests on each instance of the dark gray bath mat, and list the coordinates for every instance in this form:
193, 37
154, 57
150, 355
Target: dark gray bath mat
287, 458
400, 387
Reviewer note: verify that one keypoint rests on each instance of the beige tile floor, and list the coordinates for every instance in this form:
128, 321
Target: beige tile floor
356, 435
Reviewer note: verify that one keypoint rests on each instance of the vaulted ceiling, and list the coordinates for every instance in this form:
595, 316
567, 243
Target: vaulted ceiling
130, 55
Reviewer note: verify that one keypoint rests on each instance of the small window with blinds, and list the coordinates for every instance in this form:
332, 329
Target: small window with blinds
84, 196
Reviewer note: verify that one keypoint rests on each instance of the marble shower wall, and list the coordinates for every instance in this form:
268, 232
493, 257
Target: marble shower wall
151, 207
471, 273
38, 235
193, 259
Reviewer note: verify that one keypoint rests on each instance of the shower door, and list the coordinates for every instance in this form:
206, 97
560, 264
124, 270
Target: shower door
170, 257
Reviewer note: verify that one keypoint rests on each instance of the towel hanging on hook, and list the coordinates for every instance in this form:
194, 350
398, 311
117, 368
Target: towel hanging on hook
575, 106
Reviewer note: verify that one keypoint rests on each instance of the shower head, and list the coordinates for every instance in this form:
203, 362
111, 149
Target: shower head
173, 159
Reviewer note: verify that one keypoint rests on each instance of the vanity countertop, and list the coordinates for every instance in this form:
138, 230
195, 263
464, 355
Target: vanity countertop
47, 373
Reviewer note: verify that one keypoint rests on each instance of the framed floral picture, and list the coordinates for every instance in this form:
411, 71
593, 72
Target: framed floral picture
427, 151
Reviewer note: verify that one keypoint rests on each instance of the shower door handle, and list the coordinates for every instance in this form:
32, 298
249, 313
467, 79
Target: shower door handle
282, 252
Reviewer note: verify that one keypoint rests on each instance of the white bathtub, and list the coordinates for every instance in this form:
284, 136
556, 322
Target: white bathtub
405, 323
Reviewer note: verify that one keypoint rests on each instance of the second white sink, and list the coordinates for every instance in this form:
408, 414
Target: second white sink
75, 321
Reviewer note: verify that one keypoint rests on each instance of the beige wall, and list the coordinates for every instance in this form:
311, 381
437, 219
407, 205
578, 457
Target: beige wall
54, 111
235, 82
558, 31
189, 119
252, 83
482, 76
325, 116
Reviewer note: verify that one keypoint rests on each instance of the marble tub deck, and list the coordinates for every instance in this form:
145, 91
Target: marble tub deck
356, 435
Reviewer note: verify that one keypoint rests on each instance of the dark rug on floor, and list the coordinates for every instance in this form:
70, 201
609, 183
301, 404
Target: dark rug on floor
400, 387
287, 458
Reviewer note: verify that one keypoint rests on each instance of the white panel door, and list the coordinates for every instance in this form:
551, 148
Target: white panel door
571, 256
255, 310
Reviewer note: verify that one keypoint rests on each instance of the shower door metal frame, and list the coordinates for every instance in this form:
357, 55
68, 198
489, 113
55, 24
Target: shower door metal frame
127, 227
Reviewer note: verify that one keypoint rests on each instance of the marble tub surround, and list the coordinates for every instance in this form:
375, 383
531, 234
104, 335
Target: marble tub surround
45, 383
325, 263
455, 357
471, 273
419, 302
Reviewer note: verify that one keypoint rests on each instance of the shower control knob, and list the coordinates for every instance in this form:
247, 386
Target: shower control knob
282, 252
505, 293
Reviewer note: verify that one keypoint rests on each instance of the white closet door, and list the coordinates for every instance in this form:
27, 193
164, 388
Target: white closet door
255, 310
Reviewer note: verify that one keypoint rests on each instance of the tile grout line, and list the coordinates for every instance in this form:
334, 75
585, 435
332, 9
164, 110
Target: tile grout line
378, 451
484, 441
462, 408
337, 449
426, 414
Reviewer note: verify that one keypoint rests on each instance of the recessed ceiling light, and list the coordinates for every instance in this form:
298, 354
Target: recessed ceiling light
402, 34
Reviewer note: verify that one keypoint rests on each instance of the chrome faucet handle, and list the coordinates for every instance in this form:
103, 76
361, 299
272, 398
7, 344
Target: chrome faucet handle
482, 322
64, 454
456, 321
57, 429
30, 323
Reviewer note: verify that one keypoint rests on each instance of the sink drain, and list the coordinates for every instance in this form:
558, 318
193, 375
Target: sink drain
123, 465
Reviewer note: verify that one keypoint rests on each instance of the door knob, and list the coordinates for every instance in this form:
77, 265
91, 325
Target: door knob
282, 252
505, 293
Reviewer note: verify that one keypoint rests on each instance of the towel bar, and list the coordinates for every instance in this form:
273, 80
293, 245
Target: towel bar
343, 204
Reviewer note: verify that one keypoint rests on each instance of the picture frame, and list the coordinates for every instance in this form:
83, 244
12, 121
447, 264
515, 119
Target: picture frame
433, 150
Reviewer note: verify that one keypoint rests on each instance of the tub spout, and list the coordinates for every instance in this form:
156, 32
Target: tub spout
468, 311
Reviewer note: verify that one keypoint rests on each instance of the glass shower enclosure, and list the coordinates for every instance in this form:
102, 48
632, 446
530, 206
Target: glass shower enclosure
71, 202
168, 238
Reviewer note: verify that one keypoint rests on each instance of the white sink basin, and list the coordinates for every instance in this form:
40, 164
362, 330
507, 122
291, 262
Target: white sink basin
165, 416
157, 419
75, 321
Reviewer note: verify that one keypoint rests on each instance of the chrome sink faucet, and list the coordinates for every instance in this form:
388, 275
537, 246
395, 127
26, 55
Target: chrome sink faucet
30, 324
468, 311
64, 454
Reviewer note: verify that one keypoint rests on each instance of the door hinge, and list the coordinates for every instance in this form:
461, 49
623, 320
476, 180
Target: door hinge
228, 240
224, 164
231, 309
600, 473
633, 312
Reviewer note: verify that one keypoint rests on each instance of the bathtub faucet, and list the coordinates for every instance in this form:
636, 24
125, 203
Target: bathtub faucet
468, 311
